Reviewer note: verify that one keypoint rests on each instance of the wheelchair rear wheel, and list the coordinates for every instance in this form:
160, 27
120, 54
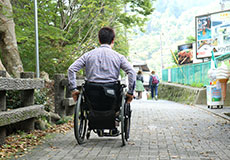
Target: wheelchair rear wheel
122, 119
80, 121
127, 120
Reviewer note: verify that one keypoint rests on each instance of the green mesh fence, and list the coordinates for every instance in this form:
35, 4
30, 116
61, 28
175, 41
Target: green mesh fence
165, 75
191, 74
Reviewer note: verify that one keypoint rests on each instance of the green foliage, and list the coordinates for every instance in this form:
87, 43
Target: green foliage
40, 96
13, 99
5, 10
122, 73
176, 56
173, 20
68, 29
190, 39
198, 85
64, 119
173, 66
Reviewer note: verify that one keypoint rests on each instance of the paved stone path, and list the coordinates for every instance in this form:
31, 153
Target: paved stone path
161, 130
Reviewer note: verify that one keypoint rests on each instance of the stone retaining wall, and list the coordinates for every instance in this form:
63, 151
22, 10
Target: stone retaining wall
186, 94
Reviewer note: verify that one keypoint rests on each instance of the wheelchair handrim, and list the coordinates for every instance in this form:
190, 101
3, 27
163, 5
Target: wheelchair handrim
122, 121
80, 123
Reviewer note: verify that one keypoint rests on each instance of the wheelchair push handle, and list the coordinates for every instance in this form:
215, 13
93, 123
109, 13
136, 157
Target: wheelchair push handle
123, 85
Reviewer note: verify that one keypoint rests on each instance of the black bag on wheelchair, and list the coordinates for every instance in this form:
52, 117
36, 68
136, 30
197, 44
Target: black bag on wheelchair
103, 102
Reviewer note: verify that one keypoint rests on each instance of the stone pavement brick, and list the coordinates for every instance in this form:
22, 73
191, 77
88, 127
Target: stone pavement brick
159, 130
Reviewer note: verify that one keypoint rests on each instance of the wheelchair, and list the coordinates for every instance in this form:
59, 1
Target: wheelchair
101, 108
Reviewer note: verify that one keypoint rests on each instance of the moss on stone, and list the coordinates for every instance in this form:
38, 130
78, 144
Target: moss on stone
178, 93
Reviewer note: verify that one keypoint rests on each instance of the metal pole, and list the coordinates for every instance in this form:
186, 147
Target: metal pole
36, 38
222, 5
162, 65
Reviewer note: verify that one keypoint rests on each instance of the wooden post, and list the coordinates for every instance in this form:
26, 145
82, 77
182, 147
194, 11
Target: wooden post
2, 73
68, 92
69, 109
2, 134
2, 108
2, 94
27, 96
26, 125
2, 101
59, 94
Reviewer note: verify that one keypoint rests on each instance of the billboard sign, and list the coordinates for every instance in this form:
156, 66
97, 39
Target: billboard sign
213, 33
185, 53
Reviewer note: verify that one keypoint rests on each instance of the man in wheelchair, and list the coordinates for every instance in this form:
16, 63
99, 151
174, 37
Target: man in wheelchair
102, 67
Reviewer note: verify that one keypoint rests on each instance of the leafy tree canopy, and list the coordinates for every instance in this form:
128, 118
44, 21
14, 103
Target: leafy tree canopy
68, 28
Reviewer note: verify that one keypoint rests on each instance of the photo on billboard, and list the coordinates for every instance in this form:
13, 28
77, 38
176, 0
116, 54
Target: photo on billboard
221, 32
203, 36
185, 53
213, 34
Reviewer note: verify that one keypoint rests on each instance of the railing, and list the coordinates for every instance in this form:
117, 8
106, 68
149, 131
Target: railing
21, 118
64, 103
188, 74
191, 73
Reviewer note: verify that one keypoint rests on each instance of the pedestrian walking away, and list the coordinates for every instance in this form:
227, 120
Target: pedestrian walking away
139, 84
153, 85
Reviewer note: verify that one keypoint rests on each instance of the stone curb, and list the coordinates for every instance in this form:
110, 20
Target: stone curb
216, 111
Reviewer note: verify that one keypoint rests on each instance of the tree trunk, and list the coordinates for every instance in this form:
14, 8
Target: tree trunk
2, 68
8, 43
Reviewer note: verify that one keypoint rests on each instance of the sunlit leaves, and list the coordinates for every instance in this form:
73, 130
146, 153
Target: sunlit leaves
68, 29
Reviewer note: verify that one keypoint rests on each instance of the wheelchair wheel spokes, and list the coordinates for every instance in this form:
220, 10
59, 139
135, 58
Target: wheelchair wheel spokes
82, 124
80, 121
122, 118
127, 121
127, 129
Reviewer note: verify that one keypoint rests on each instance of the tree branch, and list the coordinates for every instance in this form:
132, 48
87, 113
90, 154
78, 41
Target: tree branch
73, 15
60, 5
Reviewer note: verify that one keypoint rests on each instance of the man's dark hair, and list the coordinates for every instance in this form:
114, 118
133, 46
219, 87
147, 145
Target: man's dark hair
106, 35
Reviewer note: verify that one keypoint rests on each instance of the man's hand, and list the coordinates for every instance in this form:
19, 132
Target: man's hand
75, 95
129, 98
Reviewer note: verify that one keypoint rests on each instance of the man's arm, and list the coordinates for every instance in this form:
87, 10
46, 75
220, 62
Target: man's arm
126, 66
75, 67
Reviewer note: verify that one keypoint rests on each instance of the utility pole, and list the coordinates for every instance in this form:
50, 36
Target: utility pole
222, 5
36, 38
162, 64
125, 10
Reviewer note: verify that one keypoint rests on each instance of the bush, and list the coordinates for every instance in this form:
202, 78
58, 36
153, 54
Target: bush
13, 99
198, 85
40, 96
